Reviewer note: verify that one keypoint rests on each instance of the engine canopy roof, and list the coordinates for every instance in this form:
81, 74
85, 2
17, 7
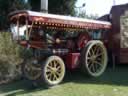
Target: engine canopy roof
60, 20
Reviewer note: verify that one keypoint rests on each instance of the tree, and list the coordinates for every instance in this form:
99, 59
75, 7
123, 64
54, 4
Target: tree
65, 7
35, 4
7, 6
82, 14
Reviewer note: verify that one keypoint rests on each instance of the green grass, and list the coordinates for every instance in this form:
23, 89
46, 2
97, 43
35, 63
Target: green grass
112, 83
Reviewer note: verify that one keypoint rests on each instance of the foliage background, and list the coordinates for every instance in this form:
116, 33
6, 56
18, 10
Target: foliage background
7, 6
10, 58
65, 7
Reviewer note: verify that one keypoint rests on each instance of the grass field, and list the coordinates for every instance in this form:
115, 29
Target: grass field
112, 83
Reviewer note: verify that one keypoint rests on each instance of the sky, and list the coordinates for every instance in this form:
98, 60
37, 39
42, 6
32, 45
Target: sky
99, 7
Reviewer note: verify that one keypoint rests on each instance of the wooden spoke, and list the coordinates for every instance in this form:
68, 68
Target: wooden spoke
98, 50
90, 65
36, 68
100, 54
58, 73
88, 58
99, 59
49, 68
55, 77
54, 63
49, 76
93, 68
95, 49
98, 63
89, 53
92, 52
58, 67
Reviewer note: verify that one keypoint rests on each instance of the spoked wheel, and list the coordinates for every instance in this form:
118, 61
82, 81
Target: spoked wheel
32, 70
94, 58
53, 71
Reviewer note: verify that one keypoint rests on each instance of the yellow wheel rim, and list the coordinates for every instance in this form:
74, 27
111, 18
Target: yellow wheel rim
54, 70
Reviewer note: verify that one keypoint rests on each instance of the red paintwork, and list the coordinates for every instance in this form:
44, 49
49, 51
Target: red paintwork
72, 60
83, 40
33, 44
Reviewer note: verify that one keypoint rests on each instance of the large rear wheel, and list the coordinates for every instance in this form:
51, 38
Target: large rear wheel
53, 71
94, 58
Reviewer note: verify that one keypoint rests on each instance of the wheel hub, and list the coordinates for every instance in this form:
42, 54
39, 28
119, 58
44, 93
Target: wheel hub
54, 70
93, 59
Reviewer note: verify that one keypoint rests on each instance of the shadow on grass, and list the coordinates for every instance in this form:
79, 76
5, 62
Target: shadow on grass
19, 87
117, 77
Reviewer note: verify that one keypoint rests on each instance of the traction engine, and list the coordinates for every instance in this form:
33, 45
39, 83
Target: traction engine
60, 43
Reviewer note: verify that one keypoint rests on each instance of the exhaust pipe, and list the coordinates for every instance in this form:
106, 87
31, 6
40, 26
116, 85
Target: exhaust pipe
44, 6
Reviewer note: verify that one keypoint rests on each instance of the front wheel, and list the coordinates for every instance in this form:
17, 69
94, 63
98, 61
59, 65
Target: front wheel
32, 70
94, 58
53, 71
